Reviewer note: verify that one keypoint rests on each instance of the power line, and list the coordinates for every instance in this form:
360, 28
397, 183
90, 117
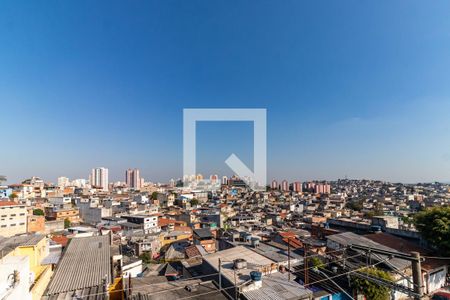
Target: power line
215, 291
352, 271
333, 261
153, 284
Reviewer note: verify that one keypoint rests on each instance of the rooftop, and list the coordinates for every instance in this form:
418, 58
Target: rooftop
254, 262
274, 285
9, 203
9, 244
85, 263
348, 238
203, 233
143, 289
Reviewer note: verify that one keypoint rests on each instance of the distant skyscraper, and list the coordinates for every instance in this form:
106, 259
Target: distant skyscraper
213, 179
298, 187
133, 178
322, 188
63, 182
225, 180
80, 183
274, 185
285, 186
99, 178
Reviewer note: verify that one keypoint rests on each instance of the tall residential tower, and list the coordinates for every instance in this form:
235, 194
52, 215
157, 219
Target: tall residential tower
99, 178
133, 178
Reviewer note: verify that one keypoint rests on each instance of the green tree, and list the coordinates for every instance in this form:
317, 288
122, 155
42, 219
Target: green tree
371, 290
13, 196
154, 195
316, 262
434, 225
194, 202
146, 258
67, 223
355, 205
38, 212
407, 220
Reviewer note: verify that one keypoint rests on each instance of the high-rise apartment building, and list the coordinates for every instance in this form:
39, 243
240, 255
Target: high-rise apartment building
99, 178
63, 182
285, 186
274, 185
322, 188
133, 178
224, 180
297, 187
213, 179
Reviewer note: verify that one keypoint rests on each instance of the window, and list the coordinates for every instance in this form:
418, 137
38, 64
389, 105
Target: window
22, 224
13, 215
22, 214
3, 225
12, 225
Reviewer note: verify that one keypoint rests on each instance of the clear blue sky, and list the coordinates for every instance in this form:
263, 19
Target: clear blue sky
356, 88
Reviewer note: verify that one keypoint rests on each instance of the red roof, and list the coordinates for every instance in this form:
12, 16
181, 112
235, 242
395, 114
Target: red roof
8, 203
165, 222
183, 228
286, 234
405, 246
293, 242
60, 239
192, 251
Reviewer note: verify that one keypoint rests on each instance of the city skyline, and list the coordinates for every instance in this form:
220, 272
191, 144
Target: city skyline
362, 95
275, 150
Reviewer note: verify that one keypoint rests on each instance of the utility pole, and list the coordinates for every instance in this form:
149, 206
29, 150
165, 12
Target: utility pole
220, 274
417, 274
414, 258
235, 285
305, 263
289, 259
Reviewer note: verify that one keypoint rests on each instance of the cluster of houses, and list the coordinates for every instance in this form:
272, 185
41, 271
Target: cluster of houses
167, 242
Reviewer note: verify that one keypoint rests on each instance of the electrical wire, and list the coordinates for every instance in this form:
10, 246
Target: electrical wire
153, 284
346, 273
333, 261
213, 274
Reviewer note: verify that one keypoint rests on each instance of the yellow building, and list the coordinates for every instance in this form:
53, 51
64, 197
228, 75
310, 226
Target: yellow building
167, 238
36, 248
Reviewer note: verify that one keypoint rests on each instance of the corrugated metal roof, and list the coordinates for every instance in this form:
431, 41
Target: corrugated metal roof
9, 244
277, 287
85, 263
348, 238
89, 293
51, 259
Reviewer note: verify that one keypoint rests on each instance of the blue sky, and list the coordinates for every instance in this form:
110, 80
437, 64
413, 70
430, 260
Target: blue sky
352, 88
